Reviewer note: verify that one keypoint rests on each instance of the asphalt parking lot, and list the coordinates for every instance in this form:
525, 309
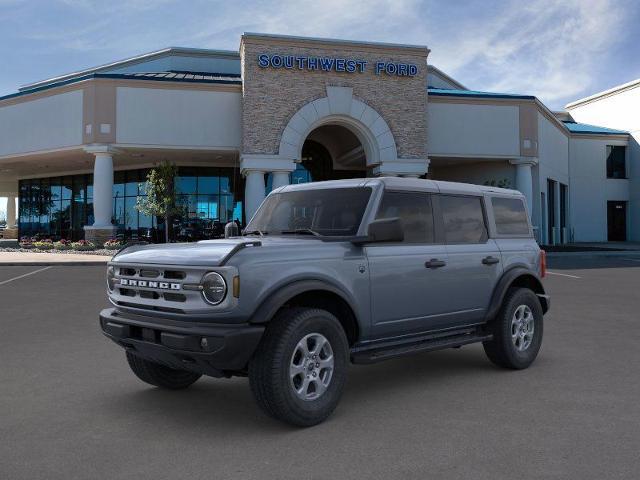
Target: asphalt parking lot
71, 409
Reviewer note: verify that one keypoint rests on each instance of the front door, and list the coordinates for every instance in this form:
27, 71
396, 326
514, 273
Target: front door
617, 221
408, 291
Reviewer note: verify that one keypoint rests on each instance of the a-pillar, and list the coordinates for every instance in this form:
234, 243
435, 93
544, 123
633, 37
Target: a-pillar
524, 178
102, 228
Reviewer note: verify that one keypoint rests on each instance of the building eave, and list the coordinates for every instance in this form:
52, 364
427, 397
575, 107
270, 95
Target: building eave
606, 93
132, 61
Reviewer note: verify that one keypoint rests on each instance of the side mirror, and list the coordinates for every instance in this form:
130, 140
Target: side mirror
384, 230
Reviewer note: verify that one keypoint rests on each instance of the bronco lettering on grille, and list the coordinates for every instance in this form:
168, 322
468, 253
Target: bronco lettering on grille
149, 284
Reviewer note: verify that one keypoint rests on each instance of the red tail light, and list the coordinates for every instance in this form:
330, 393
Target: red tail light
543, 263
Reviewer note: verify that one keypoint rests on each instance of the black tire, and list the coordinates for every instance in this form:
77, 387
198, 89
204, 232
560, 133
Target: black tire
269, 373
159, 375
501, 350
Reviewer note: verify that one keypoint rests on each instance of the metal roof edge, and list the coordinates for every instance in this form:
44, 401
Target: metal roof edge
131, 61
605, 93
123, 76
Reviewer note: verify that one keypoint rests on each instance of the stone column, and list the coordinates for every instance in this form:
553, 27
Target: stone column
102, 228
280, 179
11, 211
254, 192
253, 166
11, 232
524, 178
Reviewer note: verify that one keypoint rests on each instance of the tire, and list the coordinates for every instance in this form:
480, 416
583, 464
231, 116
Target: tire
282, 352
159, 375
520, 309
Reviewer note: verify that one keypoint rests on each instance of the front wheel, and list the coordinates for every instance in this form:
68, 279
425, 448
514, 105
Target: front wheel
517, 330
299, 370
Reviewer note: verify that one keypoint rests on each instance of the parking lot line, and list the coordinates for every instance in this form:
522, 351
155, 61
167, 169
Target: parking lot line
563, 274
25, 275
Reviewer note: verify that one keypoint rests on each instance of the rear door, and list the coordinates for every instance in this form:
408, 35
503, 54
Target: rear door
407, 279
474, 261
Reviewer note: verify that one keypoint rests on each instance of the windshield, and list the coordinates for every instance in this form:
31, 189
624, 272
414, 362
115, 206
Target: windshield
325, 212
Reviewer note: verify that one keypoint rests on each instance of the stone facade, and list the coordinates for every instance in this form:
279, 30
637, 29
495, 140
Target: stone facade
272, 96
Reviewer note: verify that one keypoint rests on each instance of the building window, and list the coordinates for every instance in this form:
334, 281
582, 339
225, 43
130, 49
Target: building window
59, 207
616, 161
463, 219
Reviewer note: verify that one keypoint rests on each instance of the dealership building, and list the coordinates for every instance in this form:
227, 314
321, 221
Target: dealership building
75, 149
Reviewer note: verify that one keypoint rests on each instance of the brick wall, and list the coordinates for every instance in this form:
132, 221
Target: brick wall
271, 96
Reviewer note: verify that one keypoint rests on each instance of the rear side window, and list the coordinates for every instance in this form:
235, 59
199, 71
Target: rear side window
510, 215
414, 209
463, 219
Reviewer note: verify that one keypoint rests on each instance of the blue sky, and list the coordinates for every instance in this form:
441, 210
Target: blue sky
557, 50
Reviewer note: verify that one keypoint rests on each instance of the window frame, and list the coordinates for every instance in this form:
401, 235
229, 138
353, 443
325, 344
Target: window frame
494, 225
625, 158
440, 217
437, 240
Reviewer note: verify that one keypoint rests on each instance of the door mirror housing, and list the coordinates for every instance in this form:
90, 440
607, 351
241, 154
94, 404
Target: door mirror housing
383, 230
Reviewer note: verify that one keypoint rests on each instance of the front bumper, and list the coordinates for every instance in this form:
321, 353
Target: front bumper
210, 349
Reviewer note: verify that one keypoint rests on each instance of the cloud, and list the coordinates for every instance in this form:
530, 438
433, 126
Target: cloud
557, 50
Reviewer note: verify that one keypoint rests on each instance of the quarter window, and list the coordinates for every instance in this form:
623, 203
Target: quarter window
616, 167
510, 216
414, 209
463, 219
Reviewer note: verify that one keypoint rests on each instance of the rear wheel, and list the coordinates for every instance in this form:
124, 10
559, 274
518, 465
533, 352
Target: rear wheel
298, 373
159, 375
517, 330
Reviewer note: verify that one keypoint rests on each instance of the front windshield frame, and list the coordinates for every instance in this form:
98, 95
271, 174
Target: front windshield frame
322, 212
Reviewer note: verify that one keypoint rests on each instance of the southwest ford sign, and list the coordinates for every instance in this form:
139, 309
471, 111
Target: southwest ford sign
334, 64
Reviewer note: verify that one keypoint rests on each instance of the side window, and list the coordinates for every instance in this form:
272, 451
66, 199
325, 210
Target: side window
510, 215
414, 209
463, 219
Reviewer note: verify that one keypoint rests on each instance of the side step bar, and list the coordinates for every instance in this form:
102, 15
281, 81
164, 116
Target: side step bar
378, 354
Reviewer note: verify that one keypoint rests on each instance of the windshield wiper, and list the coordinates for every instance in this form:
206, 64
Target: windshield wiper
302, 231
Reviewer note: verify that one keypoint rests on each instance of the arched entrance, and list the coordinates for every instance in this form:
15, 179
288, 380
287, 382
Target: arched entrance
332, 152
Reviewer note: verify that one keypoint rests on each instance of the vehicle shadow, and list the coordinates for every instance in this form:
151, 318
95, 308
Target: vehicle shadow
224, 405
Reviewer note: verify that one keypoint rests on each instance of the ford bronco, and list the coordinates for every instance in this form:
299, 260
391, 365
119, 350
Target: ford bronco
331, 273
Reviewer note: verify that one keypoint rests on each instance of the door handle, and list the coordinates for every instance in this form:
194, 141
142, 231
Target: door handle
435, 263
490, 260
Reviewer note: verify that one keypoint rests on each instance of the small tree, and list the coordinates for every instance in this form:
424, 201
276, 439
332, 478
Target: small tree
161, 200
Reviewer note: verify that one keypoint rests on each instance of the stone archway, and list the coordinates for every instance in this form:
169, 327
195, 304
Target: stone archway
339, 107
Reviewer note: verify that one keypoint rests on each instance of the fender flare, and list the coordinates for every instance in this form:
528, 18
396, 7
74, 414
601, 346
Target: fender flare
279, 296
507, 279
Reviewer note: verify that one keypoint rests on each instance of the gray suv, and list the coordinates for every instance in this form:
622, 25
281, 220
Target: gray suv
330, 273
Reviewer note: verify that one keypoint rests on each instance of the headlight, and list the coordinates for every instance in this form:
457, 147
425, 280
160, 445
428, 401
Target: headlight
111, 278
214, 288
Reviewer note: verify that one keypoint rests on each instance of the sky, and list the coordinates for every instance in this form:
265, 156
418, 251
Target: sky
557, 50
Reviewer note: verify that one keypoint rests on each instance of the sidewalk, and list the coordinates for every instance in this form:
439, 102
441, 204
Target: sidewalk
36, 259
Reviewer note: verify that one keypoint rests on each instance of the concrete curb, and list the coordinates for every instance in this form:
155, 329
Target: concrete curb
617, 253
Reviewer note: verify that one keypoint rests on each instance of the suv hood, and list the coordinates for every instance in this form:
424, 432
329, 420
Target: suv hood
204, 253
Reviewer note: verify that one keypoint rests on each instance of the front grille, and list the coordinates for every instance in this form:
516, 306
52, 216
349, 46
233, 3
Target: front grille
158, 288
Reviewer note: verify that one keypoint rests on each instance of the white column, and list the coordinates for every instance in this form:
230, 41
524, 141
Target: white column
280, 179
254, 191
11, 211
524, 179
557, 228
103, 189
